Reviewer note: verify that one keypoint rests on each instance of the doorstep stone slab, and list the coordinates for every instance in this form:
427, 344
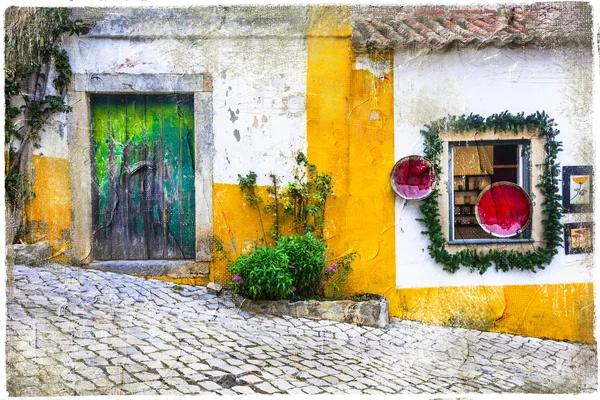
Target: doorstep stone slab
374, 313
171, 268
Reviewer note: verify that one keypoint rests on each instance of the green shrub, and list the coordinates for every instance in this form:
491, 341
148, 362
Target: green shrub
307, 273
307, 255
297, 267
262, 274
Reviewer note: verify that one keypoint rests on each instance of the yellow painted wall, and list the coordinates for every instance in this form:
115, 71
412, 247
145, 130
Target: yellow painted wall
328, 89
237, 224
49, 213
350, 132
562, 311
181, 281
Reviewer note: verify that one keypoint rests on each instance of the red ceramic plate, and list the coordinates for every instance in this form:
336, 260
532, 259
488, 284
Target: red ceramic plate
503, 209
413, 178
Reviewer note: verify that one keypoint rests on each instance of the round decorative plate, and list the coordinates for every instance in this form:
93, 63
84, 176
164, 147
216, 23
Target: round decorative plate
503, 209
413, 178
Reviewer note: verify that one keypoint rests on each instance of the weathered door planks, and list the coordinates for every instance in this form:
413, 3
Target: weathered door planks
143, 177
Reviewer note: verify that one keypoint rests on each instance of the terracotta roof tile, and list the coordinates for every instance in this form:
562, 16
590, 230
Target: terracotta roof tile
383, 29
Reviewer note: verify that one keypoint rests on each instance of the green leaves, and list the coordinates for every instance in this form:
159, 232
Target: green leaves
307, 263
307, 197
32, 43
248, 187
503, 260
303, 201
297, 267
263, 274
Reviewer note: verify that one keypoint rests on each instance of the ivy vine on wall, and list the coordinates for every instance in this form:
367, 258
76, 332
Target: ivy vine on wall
34, 62
503, 260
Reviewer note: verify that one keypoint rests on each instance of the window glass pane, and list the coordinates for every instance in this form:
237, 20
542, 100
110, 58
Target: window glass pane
475, 167
505, 163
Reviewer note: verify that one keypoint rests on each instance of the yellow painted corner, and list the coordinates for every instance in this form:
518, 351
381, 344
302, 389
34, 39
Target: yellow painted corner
49, 212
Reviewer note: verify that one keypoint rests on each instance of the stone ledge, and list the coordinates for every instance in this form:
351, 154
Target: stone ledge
168, 268
31, 254
142, 83
374, 313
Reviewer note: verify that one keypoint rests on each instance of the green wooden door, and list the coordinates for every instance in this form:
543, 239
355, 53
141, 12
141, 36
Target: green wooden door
143, 177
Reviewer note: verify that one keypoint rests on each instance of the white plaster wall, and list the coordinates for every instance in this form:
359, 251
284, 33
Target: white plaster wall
259, 92
53, 140
260, 108
488, 81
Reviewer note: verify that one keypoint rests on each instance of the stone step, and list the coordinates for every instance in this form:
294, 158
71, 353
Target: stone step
169, 268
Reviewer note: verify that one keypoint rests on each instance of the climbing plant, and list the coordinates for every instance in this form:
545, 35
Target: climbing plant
303, 201
306, 197
294, 266
37, 73
503, 260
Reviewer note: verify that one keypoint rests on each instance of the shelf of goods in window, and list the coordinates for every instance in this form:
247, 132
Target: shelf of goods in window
466, 191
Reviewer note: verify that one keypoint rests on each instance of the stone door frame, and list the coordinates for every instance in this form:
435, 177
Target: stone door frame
79, 139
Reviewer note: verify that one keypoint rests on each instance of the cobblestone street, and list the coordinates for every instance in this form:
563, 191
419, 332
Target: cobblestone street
74, 331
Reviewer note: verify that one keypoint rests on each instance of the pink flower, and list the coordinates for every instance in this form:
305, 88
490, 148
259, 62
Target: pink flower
293, 288
322, 283
332, 268
237, 279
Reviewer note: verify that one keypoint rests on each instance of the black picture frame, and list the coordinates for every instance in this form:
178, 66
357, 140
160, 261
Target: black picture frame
586, 242
570, 189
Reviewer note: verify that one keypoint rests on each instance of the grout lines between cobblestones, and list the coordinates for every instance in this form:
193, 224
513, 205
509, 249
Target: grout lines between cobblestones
74, 331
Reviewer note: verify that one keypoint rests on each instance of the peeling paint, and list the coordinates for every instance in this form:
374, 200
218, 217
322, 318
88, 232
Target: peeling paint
233, 116
379, 68
294, 105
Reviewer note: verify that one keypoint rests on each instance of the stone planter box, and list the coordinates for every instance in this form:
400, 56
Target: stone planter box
372, 313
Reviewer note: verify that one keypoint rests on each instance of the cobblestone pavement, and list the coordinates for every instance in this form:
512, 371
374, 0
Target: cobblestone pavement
81, 332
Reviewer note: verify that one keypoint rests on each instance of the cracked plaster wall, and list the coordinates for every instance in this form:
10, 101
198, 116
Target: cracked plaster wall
487, 81
257, 59
259, 89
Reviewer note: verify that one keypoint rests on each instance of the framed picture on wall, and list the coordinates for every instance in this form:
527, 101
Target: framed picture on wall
579, 237
578, 189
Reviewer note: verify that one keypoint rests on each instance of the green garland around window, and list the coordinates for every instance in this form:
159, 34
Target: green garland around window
503, 260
